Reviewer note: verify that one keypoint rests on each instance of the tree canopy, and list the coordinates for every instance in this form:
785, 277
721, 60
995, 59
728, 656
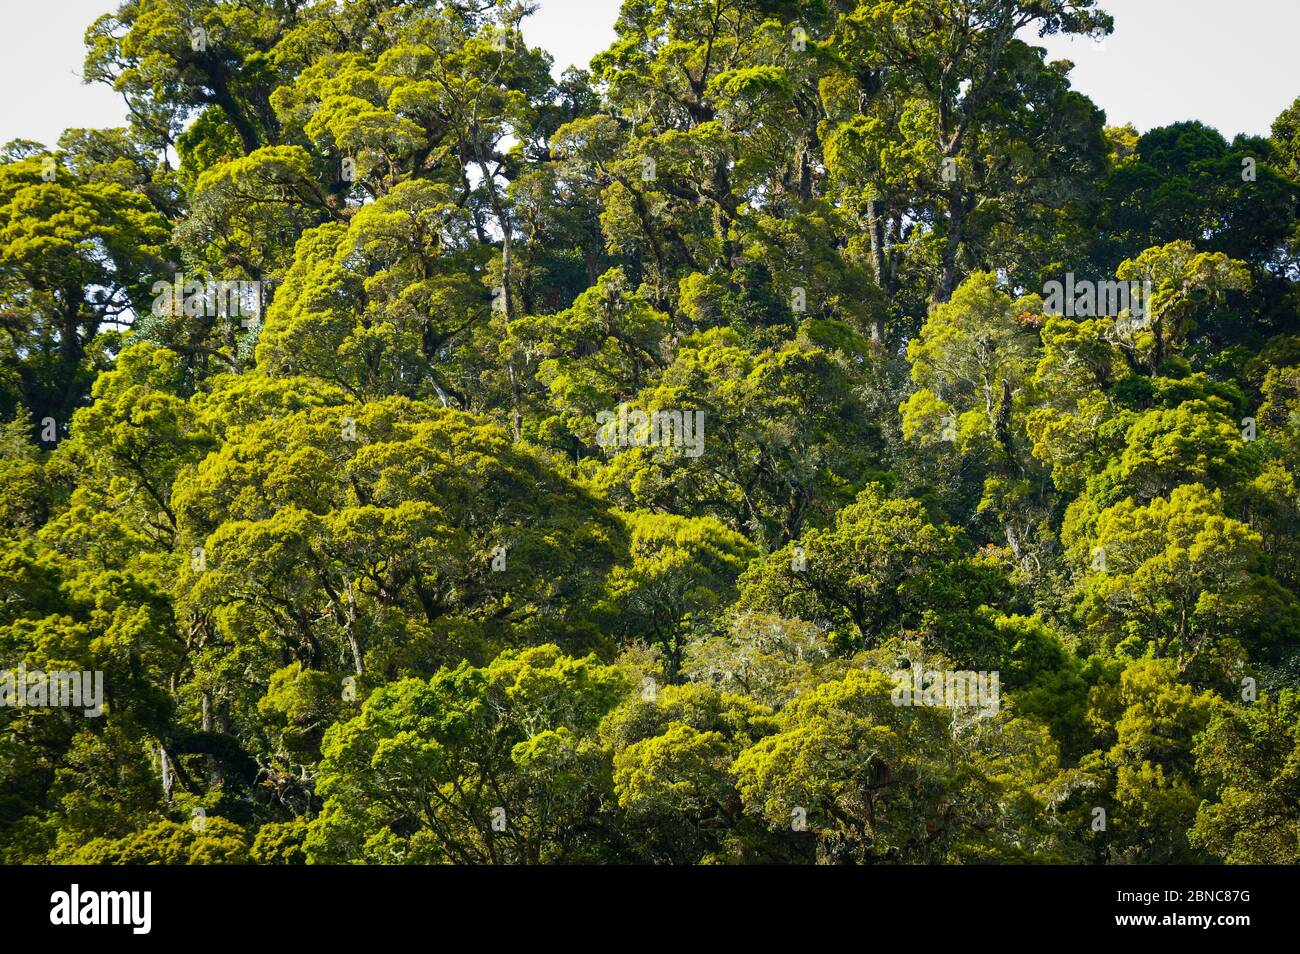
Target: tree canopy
808, 434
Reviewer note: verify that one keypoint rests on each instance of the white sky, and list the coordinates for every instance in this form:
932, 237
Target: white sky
1232, 64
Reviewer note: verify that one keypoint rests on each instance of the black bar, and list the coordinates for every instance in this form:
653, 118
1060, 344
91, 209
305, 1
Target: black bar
243, 904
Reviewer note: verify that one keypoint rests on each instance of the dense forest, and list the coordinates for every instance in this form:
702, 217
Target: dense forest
811, 434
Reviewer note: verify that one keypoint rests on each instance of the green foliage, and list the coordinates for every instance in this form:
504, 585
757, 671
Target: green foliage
476, 765
603, 451
883, 571
1250, 754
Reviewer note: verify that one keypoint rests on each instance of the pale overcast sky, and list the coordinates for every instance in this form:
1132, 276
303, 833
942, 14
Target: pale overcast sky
1230, 63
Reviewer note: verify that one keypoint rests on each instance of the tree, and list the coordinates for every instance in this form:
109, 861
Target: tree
493, 765
168, 59
682, 573
878, 782
1144, 774
387, 536
1178, 575
782, 437
446, 461
672, 757
75, 259
945, 105
972, 365
884, 570
1249, 753
1183, 282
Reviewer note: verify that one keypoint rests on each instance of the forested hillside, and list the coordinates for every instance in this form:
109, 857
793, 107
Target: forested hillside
811, 434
